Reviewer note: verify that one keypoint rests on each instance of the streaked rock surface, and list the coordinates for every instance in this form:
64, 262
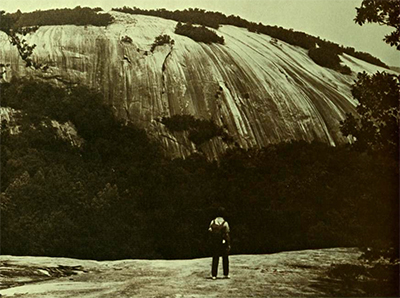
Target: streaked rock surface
260, 91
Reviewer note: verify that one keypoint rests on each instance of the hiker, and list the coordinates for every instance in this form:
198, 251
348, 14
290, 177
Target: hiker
220, 243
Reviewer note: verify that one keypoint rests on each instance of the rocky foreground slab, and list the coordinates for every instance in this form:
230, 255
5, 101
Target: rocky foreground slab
290, 274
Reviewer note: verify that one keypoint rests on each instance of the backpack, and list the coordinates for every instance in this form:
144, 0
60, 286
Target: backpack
218, 232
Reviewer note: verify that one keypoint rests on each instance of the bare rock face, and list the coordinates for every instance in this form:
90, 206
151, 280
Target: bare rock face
260, 91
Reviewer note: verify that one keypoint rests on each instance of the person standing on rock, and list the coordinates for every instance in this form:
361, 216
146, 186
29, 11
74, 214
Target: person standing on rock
220, 243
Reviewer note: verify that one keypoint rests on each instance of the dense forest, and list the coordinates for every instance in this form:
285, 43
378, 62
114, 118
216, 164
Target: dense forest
116, 196
215, 19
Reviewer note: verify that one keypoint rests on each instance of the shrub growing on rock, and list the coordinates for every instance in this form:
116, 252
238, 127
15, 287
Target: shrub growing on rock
325, 57
199, 34
161, 40
126, 39
328, 57
345, 70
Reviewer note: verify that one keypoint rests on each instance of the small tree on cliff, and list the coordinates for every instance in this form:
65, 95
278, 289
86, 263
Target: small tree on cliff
25, 50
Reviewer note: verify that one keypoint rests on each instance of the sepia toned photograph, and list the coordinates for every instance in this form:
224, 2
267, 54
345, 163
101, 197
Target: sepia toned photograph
196, 149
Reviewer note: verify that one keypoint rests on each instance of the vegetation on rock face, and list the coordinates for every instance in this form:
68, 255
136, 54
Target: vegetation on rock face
161, 40
116, 196
324, 57
215, 19
200, 130
328, 58
25, 50
126, 39
89, 16
15, 24
199, 34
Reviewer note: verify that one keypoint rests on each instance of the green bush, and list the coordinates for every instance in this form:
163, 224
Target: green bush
161, 40
345, 70
179, 122
328, 57
325, 57
199, 34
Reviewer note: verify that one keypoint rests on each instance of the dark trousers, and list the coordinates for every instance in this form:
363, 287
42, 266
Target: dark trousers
215, 261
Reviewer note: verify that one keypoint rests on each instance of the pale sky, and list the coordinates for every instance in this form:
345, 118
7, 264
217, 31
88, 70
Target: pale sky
329, 19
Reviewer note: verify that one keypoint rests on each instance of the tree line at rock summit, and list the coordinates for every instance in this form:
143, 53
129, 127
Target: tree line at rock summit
90, 16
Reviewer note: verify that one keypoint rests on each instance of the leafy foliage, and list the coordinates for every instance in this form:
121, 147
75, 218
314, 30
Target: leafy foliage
78, 16
179, 122
59, 199
377, 275
25, 50
215, 19
7, 25
24, 23
383, 12
117, 197
325, 57
328, 58
376, 130
199, 34
345, 70
161, 40
377, 127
